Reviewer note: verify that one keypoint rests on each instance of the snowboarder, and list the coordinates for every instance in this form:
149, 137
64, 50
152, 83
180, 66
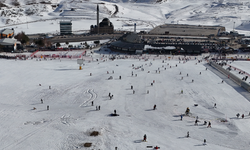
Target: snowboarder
209, 125
144, 138
237, 115
154, 107
188, 134
242, 116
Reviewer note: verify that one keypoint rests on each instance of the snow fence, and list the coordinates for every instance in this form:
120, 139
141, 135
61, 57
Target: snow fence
231, 76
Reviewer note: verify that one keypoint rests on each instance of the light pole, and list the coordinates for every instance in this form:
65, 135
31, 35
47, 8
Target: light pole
234, 26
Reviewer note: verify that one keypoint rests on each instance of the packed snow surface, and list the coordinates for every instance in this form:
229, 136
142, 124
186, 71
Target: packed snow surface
39, 16
68, 92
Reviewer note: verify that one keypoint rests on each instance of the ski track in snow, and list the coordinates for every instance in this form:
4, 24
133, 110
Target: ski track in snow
92, 97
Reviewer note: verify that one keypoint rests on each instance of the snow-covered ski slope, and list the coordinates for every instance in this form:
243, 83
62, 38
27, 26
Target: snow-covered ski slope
70, 118
39, 17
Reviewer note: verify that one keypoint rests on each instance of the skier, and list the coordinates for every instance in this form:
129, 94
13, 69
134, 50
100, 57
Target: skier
144, 138
99, 107
214, 105
181, 116
187, 75
205, 123
154, 107
192, 80
204, 142
196, 122
209, 124
187, 111
181, 91
92, 103
156, 147
114, 111
242, 116
237, 115
41, 100
188, 134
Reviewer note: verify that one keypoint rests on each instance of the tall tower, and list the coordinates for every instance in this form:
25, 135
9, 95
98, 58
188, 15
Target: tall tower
97, 19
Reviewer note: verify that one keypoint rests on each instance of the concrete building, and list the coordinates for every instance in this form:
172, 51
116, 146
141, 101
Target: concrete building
103, 27
187, 30
65, 27
128, 43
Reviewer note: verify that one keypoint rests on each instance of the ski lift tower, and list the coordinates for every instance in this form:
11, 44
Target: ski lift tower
80, 62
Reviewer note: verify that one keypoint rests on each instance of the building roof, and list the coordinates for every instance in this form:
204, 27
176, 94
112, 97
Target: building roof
7, 31
8, 41
183, 29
